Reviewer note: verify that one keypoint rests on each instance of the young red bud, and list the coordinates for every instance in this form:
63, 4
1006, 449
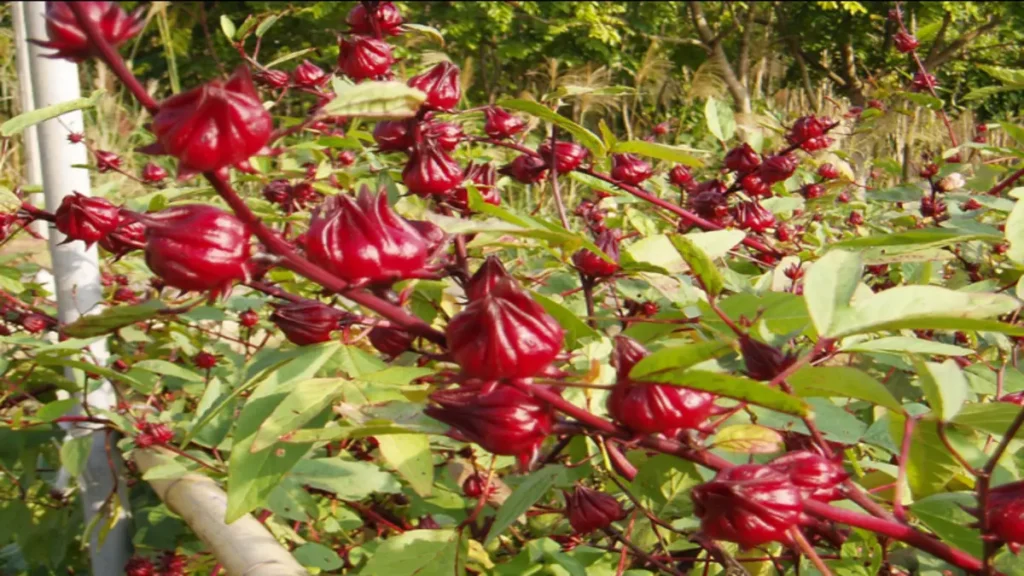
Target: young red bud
777, 168
430, 171
589, 510
392, 136
755, 187
363, 57
568, 155
106, 161
445, 134
855, 219
742, 159
500, 124
305, 323
35, 323
441, 85
249, 318
661, 129
680, 176
593, 265
749, 505
630, 169
153, 173
526, 168
309, 75
205, 360
139, 566
923, 82
475, 484
828, 171
85, 218
275, 79
389, 341
69, 40
486, 277
905, 43
764, 362
812, 191
504, 334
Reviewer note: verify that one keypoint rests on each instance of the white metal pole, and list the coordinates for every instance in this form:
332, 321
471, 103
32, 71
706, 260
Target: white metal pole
77, 278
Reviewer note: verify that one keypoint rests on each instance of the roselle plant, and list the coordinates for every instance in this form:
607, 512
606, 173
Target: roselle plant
415, 336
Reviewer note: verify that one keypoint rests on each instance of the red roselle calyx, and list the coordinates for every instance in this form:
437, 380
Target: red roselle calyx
305, 323
812, 191
205, 360
755, 187
364, 240
35, 323
589, 510
67, 37
139, 566
816, 476
809, 133
777, 168
389, 341
765, 362
197, 247
213, 126
652, 408
249, 318
749, 505
445, 134
500, 418
309, 75
568, 155
393, 136
106, 161
754, 217
593, 265
441, 85
1013, 398
85, 218
385, 15
708, 200
1005, 509
275, 79
923, 82
630, 169
526, 168
905, 42
680, 176
483, 177
430, 171
130, 235
501, 124
363, 57
828, 172
742, 159
504, 334
153, 173
475, 484
486, 277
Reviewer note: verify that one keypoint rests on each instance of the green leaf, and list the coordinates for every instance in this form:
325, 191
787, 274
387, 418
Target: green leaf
678, 358
251, 477
165, 368
944, 514
748, 439
736, 387
418, 553
431, 32
720, 119
923, 307
1015, 233
920, 239
9, 203
576, 329
227, 27
554, 234
944, 385
303, 403
659, 151
843, 382
53, 410
1005, 75
907, 345
113, 319
409, 454
926, 100
74, 453
828, 287
1014, 131
290, 56
700, 263
526, 495
994, 418
930, 466
986, 91
376, 100
15, 125
266, 24
345, 479
610, 139
582, 135
319, 556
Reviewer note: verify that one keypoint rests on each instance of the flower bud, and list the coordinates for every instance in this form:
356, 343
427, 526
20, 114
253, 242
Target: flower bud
430, 171
153, 173
205, 360
1005, 509
309, 75
275, 79
139, 566
486, 278
215, 125
589, 510
625, 355
85, 218
660, 129
386, 16
754, 217
277, 191
1013, 398
35, 323
905, 42
107, 161
593, 265
392, 136
69, 40
954, 181
855, 219
504, 334
475, 484
742, 159
765, 362
441, 85
812, 191
362, 57
680, 176
389, 341
929, 170
483, 177
923, 82
783, 233
749, 505
630, 169
828, 172
76, 137
568, 155
308, 322
755, 187
445, 134
526, 168
777, 168
709, 200
249, 318
364, 239
500, 124
130, 235
197, 247
816, 476
500, 418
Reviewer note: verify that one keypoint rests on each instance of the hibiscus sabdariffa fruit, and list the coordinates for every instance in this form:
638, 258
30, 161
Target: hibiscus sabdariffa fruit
750, 505
67, 37
589, 510
305, 323
87, 219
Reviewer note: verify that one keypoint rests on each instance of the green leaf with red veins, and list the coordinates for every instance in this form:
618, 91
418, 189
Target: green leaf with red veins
829, 286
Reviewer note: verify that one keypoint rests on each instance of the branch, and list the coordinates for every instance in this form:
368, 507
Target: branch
940, 37
935, 60
713, 45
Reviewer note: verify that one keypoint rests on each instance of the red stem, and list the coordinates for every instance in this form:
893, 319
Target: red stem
998, 188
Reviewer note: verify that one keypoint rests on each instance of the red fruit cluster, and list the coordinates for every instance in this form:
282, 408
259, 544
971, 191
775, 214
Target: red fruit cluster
589, 510
152, 434
218, 124
67, 37
499, 417
196, 247
308, 322
364, 240
652, 408
809, 132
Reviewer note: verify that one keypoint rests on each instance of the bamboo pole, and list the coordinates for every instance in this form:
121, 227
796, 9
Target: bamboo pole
243, 548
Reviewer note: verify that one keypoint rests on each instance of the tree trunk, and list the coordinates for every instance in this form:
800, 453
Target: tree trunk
713, 45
